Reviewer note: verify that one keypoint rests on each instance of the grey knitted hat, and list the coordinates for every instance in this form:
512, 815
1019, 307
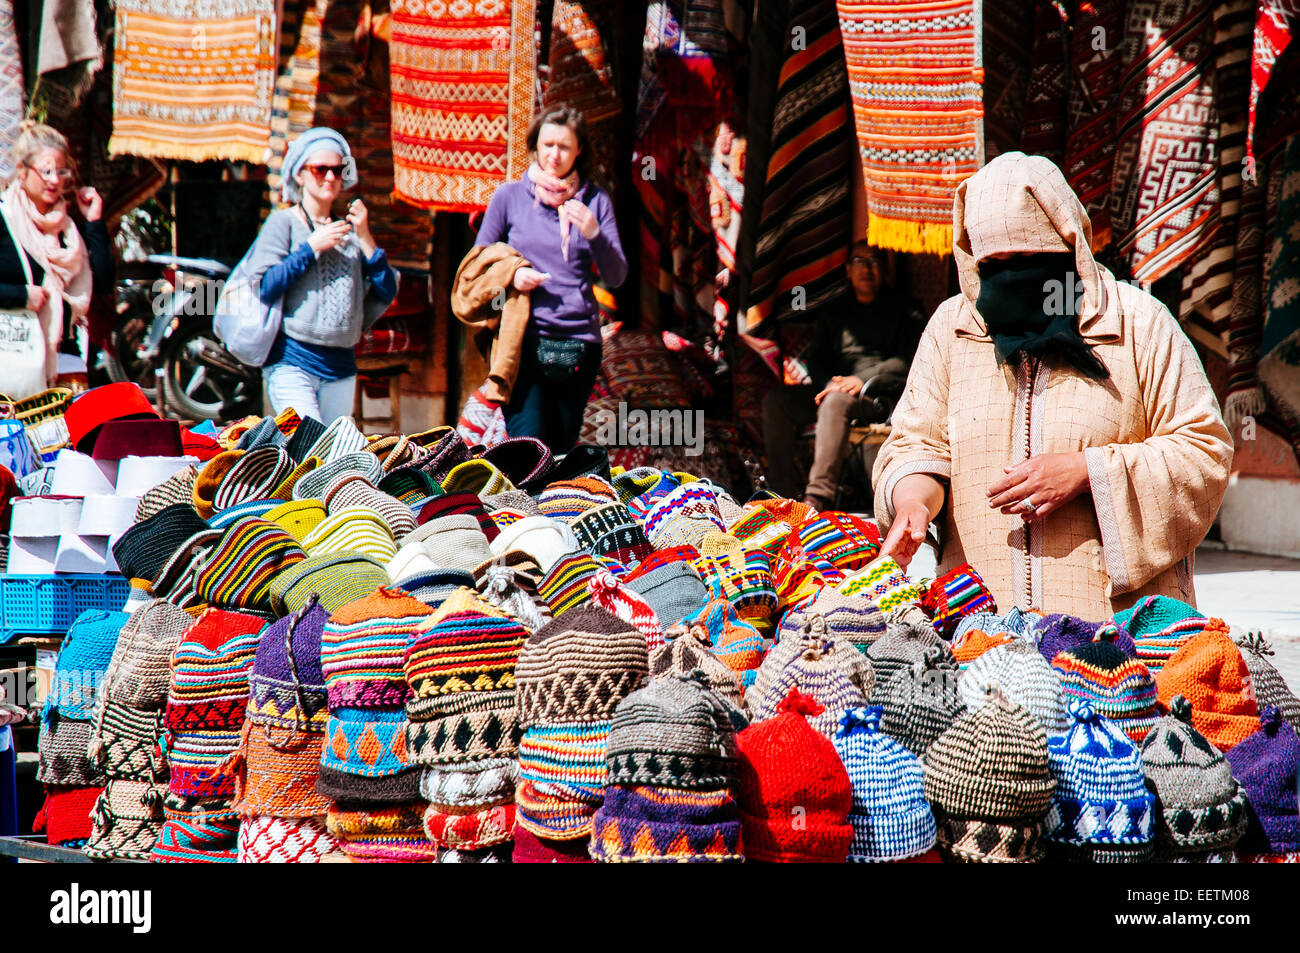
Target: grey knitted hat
689, 650
453, 542
902, 646
674, 733
1202, 808
852, 619
920, 702
1270, 687
512, 500
312, 486
828, 669
1024, 677
674, 590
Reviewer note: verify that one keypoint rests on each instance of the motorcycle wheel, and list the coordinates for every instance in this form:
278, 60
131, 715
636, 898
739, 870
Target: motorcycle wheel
122, 359
203, 381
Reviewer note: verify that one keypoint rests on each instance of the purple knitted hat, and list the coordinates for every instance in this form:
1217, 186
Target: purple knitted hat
1059, 632
286, 686
1265, 764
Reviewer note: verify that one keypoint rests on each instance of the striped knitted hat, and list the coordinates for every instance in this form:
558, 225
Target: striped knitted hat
786, 769
334, 580
357, 529
1211, 674
835, 667
285, 490
1024, 677
836, 677
177, 580
1158, 625
143, 549
736, 643
363, 647
958, 592
312, 486
1117, 687
453, 542
396, 450
230, 514
891, 818
364, 759
695, 501
352, 490
1101, 808
902, 646
476, 476
584, 460
340, 439
989, 783
387, 835
458, 504
1200, 807
449, 450
564, 587
883, 583
566, 500
655, 825
461, 669
674, 733
638, 481
689, 650
208, 700
748, 586
853, 619
238, 571
254, 476
763, 525
1270, 686
433, 588
177, 488
611, 530
521, 459
920, 701
848, 543
571, 676
209, 480
410, 484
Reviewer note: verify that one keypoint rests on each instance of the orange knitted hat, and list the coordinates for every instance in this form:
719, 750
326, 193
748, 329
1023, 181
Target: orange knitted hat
1210, 672
976, 643
209, 479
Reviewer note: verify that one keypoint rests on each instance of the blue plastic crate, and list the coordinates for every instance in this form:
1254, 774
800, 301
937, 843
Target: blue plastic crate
48, 605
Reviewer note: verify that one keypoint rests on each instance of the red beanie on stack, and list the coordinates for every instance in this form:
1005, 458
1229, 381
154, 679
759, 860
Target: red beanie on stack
793, 792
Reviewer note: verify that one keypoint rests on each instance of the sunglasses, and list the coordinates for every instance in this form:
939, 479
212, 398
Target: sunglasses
62, 175
320, 171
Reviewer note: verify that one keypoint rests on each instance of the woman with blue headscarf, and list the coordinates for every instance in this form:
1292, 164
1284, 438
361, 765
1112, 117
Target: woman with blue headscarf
333, 280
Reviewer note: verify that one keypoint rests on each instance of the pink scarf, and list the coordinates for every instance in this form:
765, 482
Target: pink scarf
66, 264
554, 192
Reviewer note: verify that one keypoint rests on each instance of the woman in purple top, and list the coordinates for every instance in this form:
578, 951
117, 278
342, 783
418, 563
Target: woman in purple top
563, 223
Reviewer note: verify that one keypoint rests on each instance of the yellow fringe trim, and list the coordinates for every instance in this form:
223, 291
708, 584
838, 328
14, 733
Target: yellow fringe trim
145, 148
907, 236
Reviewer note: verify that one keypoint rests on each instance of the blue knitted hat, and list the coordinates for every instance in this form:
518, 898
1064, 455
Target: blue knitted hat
1102, 809
891, 818
83, 658
317, 139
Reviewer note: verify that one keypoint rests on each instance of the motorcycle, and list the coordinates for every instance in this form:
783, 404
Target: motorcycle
164, 341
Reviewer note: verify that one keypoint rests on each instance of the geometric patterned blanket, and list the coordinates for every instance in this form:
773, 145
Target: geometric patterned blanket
915, 75
463, 77
192, 79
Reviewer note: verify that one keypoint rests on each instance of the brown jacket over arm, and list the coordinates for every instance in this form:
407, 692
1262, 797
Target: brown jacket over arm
498, 323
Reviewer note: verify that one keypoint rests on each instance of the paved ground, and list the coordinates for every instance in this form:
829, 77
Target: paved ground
1250, 592
1254, 593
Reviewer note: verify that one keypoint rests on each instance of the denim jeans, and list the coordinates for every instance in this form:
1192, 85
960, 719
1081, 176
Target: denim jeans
309, 395
551, 410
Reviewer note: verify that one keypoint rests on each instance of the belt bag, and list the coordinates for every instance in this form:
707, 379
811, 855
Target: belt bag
558, 358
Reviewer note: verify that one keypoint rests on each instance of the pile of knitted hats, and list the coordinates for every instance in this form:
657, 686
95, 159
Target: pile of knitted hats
405, 648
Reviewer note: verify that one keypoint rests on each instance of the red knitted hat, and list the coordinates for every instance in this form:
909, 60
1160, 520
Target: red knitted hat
65, 815
793, 792
1211, 673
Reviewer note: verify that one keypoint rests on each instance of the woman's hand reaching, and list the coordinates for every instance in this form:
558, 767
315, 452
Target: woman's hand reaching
582, 217
526, 279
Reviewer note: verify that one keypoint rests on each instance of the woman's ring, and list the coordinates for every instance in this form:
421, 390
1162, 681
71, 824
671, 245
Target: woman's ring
1028, 508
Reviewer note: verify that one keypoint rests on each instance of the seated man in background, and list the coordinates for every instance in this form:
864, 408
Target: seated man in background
864, 343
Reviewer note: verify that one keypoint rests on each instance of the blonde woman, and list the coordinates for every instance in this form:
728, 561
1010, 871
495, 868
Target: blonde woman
49, 263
